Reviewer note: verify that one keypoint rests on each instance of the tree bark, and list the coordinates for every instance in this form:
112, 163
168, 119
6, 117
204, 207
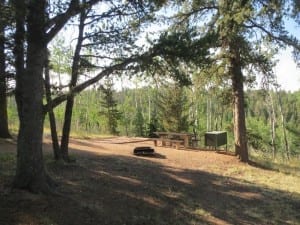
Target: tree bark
283, 126
4, 131
55, 144
232, 40
70, 99
240, 136
31, 173
272, 124
67, 128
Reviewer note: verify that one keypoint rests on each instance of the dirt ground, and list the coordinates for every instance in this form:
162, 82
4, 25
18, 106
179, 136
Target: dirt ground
108, 184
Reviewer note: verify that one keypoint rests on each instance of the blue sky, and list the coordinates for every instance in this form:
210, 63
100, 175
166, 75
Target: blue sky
288, 74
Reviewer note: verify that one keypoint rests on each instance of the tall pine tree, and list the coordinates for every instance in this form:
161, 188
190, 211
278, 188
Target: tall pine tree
109, 107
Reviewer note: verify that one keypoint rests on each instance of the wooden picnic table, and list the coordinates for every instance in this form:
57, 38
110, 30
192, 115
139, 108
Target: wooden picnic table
175, 136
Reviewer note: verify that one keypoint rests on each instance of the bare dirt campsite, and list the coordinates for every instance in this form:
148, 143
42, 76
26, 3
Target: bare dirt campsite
108, 184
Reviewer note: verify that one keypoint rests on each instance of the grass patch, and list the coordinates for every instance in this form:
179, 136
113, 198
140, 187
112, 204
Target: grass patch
7, 170
290, 167
7, 157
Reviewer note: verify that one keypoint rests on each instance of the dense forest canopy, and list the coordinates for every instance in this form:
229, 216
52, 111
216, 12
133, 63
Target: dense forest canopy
197, 66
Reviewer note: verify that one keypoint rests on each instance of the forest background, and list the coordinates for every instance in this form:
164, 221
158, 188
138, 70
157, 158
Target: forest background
142, 109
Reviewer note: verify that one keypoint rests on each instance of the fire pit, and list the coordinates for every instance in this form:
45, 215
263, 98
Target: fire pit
145, 150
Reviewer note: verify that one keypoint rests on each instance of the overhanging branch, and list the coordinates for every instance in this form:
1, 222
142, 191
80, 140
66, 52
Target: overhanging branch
117, 67
290, 41
57, 23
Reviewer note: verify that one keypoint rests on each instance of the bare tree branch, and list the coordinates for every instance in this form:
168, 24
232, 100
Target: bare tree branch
57, 23
117, 67
290, 41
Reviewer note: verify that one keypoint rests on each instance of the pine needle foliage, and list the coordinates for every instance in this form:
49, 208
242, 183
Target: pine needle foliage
109, 107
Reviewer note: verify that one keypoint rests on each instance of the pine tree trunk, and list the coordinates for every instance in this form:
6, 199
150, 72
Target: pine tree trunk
4, 131
240, 136
67, 128
231, 43
70, 100
55, 144
30, 173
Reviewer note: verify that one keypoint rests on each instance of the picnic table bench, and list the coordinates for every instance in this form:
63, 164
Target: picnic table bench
164, 141
173, 138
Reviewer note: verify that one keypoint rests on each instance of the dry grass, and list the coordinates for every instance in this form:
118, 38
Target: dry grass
109, 185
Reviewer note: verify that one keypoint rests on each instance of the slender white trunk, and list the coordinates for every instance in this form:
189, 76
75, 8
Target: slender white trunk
272, 125
283, 126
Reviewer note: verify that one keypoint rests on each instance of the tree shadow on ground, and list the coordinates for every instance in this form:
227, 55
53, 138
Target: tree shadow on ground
154, 155
86, 143
115, 190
